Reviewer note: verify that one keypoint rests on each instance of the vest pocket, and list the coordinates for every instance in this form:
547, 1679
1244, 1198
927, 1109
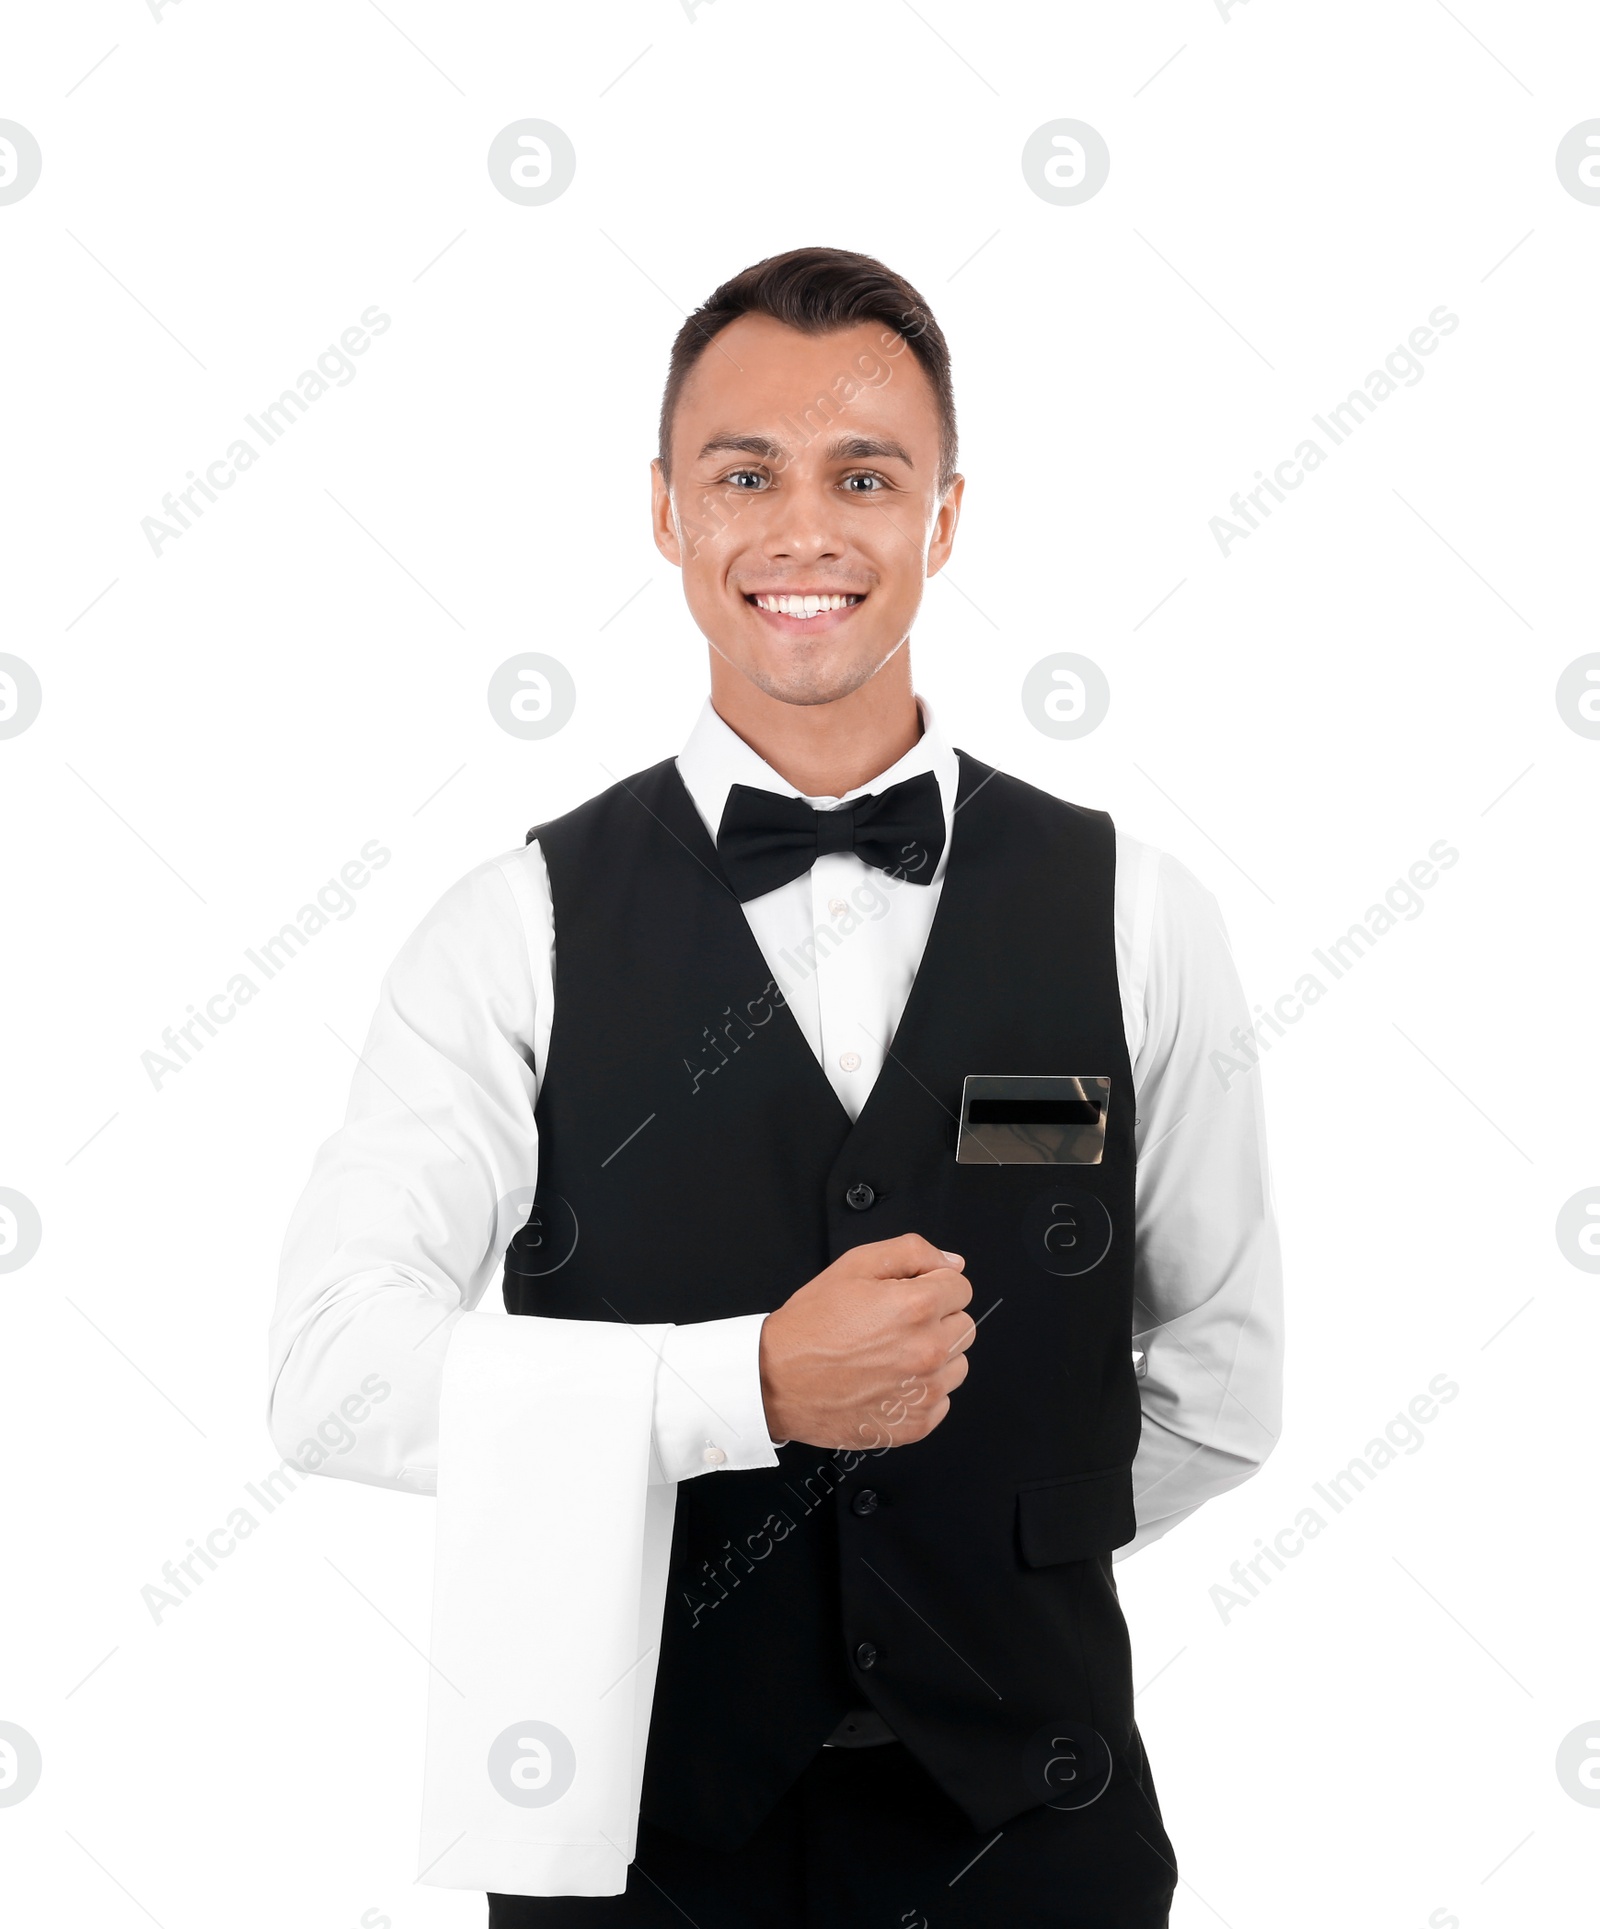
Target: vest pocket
1075, 1518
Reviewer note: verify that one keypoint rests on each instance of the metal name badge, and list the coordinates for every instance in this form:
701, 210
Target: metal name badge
1033, 1121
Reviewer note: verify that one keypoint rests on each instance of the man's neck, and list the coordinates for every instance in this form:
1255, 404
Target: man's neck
824, 749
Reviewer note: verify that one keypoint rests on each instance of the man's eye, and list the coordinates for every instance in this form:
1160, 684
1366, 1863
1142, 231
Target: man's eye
754, 476
879, 483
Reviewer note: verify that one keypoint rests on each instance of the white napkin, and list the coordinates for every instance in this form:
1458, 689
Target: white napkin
550, 1574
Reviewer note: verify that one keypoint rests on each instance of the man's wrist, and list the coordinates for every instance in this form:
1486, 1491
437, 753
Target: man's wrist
769, 1392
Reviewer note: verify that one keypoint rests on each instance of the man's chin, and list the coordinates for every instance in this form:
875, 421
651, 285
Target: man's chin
805, 676
806, 685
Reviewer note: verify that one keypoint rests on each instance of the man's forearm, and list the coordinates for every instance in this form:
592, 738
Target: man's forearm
389, 1332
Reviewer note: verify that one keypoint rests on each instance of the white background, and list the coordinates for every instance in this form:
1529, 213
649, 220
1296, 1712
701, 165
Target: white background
1373, 1739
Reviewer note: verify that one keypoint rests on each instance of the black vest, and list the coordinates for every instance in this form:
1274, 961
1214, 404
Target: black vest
694, 1163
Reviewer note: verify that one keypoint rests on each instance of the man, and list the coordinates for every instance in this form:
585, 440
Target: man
827, 1045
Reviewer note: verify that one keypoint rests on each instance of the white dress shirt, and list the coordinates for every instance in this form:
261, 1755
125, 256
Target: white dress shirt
404, 1224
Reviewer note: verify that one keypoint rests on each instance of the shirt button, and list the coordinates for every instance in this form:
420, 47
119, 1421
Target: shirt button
849, 1061
866, 1502
860, 1196
837, 907
866, 1655
713, 1456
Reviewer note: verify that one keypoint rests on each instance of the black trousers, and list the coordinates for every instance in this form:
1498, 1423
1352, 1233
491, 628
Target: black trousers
865, 1839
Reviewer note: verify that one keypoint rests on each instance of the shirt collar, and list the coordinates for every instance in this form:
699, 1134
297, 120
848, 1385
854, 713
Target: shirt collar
715, 758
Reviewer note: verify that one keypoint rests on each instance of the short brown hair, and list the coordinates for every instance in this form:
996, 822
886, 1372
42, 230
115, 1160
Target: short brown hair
818, 290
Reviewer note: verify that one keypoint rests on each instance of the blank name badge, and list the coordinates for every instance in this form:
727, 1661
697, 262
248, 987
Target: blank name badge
1033, 1121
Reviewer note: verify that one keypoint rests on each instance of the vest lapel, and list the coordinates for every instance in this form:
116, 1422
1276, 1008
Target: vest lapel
682, 821
952, 919
955, 921
955, 918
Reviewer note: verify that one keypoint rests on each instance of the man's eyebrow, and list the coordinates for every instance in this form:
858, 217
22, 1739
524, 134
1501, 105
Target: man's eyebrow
762, 445
855, 448
845, 448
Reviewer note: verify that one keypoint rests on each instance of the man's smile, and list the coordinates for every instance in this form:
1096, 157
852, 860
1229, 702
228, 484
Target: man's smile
786, 608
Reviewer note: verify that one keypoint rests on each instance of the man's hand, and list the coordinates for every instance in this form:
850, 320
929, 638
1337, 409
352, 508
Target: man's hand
868, 1353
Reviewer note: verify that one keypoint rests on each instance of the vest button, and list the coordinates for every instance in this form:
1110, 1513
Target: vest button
866, 1655
866, 1502
860, 1196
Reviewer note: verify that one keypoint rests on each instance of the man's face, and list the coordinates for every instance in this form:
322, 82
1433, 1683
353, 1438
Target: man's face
805, 466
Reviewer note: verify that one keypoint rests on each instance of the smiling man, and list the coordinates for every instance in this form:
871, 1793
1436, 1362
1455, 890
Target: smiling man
920, 1050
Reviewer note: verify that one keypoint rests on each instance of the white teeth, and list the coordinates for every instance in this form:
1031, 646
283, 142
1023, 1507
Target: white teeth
804, 606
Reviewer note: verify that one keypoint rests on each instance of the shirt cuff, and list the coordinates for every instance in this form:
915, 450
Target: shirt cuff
709, 1415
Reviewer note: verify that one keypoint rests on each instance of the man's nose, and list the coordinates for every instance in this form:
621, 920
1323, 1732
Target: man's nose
804, 523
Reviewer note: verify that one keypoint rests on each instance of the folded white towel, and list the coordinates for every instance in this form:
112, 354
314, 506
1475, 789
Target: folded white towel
550, 1574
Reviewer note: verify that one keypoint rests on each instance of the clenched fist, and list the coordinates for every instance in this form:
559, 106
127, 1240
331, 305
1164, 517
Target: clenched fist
868, 1353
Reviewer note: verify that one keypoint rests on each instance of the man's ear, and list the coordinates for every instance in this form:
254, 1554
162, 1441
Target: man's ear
945, 519
663, 523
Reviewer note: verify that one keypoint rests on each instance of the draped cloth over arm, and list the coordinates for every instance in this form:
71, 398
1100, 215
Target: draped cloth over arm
549, 1588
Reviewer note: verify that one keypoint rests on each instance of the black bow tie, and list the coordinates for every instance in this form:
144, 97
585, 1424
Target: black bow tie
766, 840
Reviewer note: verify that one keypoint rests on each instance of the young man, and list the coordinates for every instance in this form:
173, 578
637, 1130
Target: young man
917, 1047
